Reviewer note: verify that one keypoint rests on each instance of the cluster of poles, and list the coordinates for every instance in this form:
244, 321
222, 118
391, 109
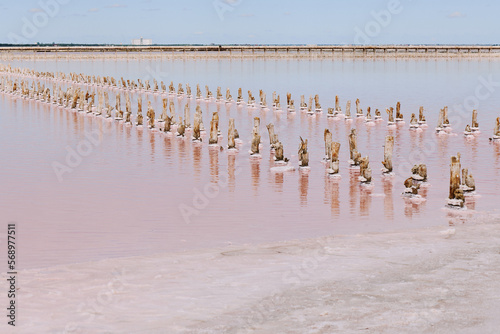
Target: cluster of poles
81, 91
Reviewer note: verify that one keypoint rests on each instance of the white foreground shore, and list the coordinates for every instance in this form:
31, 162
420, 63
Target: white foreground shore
435, 280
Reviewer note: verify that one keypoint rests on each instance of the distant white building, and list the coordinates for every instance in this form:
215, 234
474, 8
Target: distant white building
142, 41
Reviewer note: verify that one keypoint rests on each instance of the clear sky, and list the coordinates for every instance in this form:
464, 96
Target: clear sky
252, 21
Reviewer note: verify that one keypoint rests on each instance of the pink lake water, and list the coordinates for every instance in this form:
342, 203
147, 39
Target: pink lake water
126, 197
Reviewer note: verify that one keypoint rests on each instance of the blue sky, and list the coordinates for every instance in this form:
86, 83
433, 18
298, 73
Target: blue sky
252, 21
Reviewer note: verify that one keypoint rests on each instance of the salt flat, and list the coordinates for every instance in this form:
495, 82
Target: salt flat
433, 280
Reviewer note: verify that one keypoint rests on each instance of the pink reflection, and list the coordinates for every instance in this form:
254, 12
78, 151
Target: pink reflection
303, 187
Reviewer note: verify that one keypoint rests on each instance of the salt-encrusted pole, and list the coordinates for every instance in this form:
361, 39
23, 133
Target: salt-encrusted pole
496, 131
310, 105
368, 114
197, 124
348, 109
231, 135
214, 129
317, 104
446, 121
164, 114
198, 92
168, 124
421, 116
364, 170
413, 121
440, 125
388, 150
334, 158
359, 111
278, 152
456, 196
240, 96
338, 110
390, 112
181, 129
139, 111
172, 111
399, 115
151, 115
303, 154
255, 136
107, 105
475, 124
419, 172
353, 149
303, 105
273, 138
187, 118
468, 183
328, 143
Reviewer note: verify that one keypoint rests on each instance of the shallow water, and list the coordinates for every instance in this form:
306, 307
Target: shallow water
126, 196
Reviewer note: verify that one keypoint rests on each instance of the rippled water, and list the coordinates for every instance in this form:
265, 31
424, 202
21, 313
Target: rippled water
126, 197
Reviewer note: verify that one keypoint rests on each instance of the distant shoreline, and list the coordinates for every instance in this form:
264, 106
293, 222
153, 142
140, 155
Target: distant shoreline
266, 50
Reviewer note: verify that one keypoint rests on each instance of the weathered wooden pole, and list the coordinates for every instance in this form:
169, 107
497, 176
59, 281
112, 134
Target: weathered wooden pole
278, 152
334, 158
413, 121
364, 170
164, 114
399, 115
348, 109
273, 138
328, 143
214, 129
197, 124
419, 172
359, 111
187, 118
172, 112
496, 131
255, 136
303, 153
456, 197
421, 116
446, 121
388, 150
475, 124
353, 148
181, 129
231, 144
390, 112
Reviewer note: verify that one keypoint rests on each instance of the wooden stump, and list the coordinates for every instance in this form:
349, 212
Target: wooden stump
328, 143
388, 150
214, 129
334, 158
303, 154
348, 109
455, 179
230, 135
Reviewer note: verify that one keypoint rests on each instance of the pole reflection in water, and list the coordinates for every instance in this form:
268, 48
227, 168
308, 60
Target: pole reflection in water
255, 171
213, 152
365, 200
332, 194
353, 190
303, 186
231, 165
388, 198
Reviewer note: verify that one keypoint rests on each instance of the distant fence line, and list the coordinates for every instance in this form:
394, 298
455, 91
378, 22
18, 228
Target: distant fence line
269, 50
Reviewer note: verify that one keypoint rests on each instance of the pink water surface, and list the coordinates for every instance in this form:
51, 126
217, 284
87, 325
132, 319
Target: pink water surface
126, 197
